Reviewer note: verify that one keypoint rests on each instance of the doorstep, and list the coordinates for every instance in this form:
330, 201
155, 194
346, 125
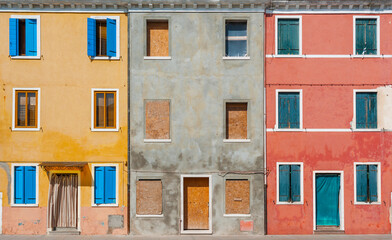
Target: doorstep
328, 230
64, 231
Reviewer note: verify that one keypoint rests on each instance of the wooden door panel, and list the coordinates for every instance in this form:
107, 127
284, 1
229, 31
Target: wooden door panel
196, 203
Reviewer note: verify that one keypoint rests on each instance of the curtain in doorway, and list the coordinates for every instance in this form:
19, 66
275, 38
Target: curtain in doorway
327, 199
63, 201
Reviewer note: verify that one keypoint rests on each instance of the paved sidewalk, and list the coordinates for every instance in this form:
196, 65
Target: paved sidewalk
282, 237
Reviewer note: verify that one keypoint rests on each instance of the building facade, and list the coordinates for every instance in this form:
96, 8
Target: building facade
328, 123
63, 122
196, 129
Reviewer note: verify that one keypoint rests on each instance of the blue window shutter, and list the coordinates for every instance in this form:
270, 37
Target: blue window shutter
99, 180
30, 185
361, 111
371, 36
373, 183
360, 37
14, 36
31, 37
110, 184
372, 110
283, 111
361, 172
288, 36
284, 183
111, 35
19, 185
294, 36
295, 183
91, 37
294, 110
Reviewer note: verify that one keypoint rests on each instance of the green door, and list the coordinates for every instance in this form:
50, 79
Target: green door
327, 199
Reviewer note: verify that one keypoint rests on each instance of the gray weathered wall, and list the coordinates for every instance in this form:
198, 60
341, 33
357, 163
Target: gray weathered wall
198, 82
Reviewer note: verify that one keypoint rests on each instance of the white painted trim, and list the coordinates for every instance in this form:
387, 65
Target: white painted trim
117, 57
328, 56
157, 58
209, 231
93, 184
38, 18
354, 122
327, 130
341, 197
13, 165
235, 58
79, 193
198, 10
301, 179
18, 10
149, 216
157, 140
236, 140
378, 32
14, 128
329, 11
277, 111
1, 213
378, 183
93, 110
276, 33
237, 215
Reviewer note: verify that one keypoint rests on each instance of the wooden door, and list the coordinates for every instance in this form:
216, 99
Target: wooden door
196, 203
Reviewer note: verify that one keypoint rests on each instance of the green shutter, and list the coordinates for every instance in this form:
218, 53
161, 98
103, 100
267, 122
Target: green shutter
284, 183
371, 36
366, 36
288, 36
361, 111
361, 172
373, 183
372, 110
283, 110
295, 183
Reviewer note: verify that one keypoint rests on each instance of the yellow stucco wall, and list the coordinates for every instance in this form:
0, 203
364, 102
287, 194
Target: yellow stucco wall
65, 76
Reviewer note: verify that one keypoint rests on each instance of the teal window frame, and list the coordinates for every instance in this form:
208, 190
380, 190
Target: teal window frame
295, 49
367, 23
295, 187
367, 184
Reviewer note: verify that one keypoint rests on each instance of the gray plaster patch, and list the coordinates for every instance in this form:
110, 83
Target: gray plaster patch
116, 221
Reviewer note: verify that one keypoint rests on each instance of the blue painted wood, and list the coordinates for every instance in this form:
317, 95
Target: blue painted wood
91, 37
373, 193
362, 176
288, 36
30, 185
236, 29
372, 110
31, 37
111, 37
366, 36
19, 197
110, 185
14, 36
327, 199
284, 183
289, 110
295, 183
99, 185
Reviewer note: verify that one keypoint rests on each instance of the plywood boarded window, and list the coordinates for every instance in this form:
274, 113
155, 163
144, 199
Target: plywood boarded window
236, 120
237, 196
158, 38
149, 197
157, 119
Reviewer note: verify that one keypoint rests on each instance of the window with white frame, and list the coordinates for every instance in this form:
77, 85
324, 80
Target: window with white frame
290, 182
367, 182
103, 37
26, 109
25, 184
366, 35
236, 44
289, 109
105, 110
288, 35
24, 36
365, 109
105, 185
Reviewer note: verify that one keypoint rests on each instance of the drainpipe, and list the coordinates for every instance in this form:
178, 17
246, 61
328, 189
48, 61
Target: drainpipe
264, 128
129, 120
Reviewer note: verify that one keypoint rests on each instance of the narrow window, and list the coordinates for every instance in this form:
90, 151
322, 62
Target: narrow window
105, 109
288, 36
105, 185
236, 120
101, 37
289, 109
26, 109
157, 38
366, 36
23, 37
236, 38
237, 196
157, 119
289, 183
367, 190
366, 110
25, 184
149, 197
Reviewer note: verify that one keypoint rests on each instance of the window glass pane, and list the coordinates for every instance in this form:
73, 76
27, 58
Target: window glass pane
100, 110
110, 110
236, 48
235, 29
21, 112
22, 37
101, 37
31, 111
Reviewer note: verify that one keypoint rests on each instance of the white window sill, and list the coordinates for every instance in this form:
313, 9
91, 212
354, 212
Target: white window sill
288, 56
105, 205
236, 215
157, 58
366, 203
149, 216
24, 205
157, 140
25, 129
289, 130
196, 232
104, 130
289, 203
236, 140
367, 56
235, 58
105, 58
366, 130
25, 57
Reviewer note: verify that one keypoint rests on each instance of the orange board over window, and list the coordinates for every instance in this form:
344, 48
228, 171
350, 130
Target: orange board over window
149, 197
237, 196
26, 109
236, 120
158, 38
157, 119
